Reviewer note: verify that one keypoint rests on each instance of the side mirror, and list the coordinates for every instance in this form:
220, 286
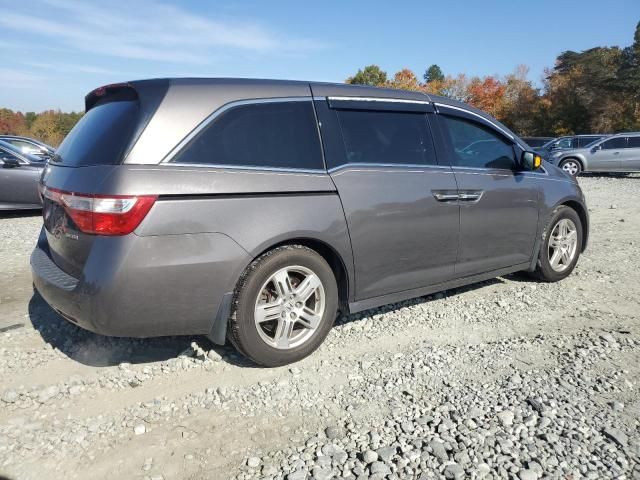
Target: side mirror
10, 162
530, 161
596, 148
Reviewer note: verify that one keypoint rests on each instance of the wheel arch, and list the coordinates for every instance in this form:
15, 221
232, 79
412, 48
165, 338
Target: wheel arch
580, 209
343, 276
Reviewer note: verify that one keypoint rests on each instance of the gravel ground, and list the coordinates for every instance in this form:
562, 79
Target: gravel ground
503, 379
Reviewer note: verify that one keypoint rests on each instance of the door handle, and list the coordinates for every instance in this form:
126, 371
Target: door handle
445, 196
616, 153
470, 196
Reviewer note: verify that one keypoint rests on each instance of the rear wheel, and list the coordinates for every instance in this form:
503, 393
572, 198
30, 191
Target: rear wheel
561, 244
284, 306
572, 166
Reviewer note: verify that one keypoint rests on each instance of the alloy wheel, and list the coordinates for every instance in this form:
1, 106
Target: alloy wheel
289, 307
563, 245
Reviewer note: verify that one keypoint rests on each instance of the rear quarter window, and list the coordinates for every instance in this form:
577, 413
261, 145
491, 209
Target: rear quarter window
101, 136
268, 134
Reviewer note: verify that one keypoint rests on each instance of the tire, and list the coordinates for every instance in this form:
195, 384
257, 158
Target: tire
273, 322
572, 166
546, 270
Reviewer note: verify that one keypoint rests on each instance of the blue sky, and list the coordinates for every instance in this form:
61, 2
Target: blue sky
52, 52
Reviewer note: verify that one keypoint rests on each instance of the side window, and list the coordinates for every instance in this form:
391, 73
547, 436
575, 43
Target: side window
564, 143
614, 143
386, 137
23, 146
588, 141
634, 142
477, 146
7, 156
271, 134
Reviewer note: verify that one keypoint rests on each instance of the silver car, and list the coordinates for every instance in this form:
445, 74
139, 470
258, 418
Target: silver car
254, 210
616, 153
29, 145
19, 175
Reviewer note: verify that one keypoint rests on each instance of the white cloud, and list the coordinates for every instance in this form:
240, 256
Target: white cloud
148, 30
10, 78
69, 68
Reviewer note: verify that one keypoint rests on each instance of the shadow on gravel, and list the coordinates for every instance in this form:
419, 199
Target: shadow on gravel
522, 277
96, 350
417, 301
610, 175
19, 214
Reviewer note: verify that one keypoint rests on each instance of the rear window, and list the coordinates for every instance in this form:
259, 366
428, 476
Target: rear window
271, 134
101, 136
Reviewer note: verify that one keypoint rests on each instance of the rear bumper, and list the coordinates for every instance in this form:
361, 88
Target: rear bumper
134, 286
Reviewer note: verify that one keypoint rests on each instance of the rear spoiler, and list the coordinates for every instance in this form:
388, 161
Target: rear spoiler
114, 92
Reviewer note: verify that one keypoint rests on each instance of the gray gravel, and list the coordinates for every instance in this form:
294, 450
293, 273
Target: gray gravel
504, 379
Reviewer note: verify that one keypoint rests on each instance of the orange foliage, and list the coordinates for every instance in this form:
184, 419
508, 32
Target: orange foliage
488, 94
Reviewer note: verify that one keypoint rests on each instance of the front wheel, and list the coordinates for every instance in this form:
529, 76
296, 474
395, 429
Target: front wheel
571, 166
561, 245
284, 306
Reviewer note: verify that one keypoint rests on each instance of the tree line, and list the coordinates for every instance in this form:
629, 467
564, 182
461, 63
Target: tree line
594, 91
49, 127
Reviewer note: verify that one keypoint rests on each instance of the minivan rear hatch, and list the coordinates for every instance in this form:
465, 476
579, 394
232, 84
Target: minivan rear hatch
75, 210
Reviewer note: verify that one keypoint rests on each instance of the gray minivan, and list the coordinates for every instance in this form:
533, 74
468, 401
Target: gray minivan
254, 210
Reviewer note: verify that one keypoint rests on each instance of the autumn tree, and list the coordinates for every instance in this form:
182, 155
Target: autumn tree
628, 82
405, 79
12, 122
29, 118
522, 108
487, 94
371, 75
583, 89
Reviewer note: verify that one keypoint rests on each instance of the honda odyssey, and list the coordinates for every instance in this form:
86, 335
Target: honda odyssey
255, 210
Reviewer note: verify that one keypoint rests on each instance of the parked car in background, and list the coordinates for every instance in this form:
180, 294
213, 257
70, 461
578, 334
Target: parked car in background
252, 210
616, 153
566, 143
536, 142
29, 146
19, 175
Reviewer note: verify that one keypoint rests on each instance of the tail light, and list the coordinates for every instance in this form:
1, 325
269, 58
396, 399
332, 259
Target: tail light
102, 214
